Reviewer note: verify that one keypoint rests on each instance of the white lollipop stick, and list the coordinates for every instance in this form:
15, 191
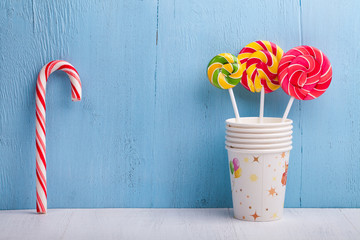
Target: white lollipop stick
236, 111
287, 110
262, 99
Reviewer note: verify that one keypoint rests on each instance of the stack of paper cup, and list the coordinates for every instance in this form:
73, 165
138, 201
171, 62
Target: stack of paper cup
258, 156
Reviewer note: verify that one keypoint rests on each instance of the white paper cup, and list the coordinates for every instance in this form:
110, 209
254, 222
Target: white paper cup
259, 136
259, 130
258, 141
258, 146
253, 122
258, 182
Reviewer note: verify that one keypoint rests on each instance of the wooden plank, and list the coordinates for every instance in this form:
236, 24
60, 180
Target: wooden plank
176, 224
353, 217
330, 133
99, 150
191, 112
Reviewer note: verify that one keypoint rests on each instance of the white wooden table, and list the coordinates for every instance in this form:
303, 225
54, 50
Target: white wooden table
216, 223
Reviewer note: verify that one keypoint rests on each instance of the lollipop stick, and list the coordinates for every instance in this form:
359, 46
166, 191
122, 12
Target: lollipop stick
287, 110
262, 99
236, 111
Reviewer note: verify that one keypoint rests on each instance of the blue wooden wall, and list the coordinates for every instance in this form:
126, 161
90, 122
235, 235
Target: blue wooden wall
149, 131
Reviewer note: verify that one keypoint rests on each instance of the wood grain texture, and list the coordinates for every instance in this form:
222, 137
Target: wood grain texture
298, 224
149, 131
330, 124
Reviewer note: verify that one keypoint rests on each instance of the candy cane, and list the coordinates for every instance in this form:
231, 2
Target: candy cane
41, 193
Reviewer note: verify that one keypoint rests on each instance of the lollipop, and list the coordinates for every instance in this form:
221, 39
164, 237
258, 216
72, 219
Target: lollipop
224, 72
305, 73
261, 60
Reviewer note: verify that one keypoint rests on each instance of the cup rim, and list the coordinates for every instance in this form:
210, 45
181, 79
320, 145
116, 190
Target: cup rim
259, 130
257, 135
258, 140
258, 146
256, 151
254, 122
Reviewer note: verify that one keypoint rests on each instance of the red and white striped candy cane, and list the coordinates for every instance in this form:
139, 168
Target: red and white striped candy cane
41, 193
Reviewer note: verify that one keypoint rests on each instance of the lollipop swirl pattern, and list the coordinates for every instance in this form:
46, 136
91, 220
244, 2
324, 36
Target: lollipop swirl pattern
261, 60
305, 73
224, 71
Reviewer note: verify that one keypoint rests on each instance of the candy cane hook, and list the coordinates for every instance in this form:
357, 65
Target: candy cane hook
41, 193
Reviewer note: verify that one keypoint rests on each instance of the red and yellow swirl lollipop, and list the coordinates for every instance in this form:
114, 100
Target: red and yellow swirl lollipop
304, 73
261, 59
260, 62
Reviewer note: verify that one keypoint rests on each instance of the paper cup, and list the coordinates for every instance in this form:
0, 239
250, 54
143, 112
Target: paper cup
261, 141
258, 136
254, 122
258, 182
259, 130
258, 146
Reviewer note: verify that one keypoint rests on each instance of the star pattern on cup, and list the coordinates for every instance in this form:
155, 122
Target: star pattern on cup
272, 188
272, 191
255, 216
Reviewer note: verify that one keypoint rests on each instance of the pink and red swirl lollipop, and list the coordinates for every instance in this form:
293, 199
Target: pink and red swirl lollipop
304, 73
